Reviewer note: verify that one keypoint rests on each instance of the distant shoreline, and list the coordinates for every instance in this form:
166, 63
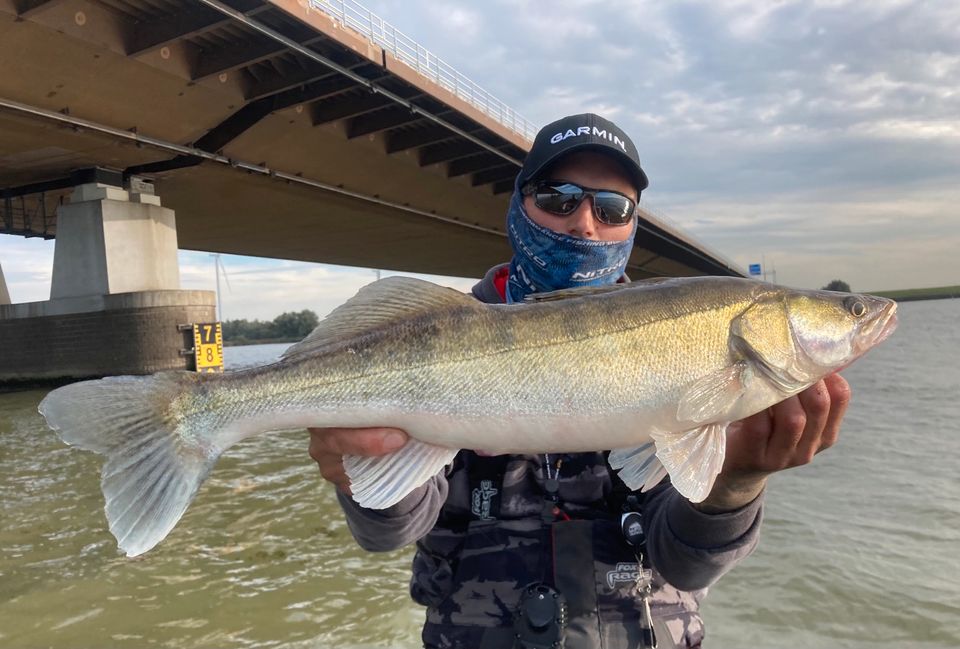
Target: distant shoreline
913, 294
243, 342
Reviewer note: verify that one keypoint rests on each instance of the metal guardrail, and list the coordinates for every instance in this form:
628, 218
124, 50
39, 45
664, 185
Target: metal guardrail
30, 216
355, 16
669, 224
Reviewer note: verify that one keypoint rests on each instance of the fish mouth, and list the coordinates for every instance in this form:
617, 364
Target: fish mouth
880, 327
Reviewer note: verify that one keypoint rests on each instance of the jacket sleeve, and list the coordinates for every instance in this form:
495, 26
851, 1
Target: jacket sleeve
382, 530
691, 549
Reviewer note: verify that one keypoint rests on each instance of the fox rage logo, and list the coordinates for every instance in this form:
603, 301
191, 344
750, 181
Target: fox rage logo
482, 498
586, 130
626, 572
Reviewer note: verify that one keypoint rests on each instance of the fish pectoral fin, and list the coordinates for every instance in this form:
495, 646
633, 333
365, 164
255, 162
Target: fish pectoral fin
638, 467
693, 458
714, 395
379, 482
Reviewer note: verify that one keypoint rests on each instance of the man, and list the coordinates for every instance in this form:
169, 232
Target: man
528, 550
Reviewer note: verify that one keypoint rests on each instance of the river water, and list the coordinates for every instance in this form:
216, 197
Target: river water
859, 549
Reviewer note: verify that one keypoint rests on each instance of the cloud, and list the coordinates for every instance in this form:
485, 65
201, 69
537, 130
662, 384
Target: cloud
875, 239
823, 134
27, 268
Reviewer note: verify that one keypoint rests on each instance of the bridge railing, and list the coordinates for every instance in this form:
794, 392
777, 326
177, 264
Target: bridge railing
660, 217
355, 16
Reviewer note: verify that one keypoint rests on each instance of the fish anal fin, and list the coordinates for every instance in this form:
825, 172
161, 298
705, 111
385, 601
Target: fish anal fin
714, 395
383, 481
388, 300
693, 458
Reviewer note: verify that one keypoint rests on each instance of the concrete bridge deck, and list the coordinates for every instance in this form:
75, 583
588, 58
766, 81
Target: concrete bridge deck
272, 129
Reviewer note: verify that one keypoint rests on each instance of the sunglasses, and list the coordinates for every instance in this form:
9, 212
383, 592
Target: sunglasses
563, 198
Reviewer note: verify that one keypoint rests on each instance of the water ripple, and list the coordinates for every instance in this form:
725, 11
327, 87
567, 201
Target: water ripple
859, 549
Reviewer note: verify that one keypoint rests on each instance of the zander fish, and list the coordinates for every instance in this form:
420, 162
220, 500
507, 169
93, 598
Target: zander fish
655, 370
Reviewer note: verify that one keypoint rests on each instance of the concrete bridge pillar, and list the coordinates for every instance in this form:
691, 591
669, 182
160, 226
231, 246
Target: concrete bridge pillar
4, 293
112, 241
115, 301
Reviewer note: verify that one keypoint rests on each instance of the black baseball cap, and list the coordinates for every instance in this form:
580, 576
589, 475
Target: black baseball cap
583, 132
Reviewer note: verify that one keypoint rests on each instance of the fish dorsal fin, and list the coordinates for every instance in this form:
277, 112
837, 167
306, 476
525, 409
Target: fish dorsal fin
586, 291
385, 301
651, 281
569, 293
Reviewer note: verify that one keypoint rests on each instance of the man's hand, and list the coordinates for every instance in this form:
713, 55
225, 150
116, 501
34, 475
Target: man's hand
787, 435
329, 445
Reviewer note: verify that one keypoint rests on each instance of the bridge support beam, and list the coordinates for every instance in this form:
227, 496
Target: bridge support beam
4, 293
111, 241
116, 303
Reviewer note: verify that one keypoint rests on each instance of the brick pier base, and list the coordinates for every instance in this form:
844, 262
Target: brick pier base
125, 333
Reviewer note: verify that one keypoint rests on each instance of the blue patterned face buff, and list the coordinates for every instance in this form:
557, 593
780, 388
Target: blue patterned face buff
544, 260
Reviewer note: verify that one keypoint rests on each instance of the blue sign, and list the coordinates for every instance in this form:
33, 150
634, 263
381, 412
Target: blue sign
755, 269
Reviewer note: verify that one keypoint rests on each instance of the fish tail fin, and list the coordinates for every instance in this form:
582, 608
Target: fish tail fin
154, 464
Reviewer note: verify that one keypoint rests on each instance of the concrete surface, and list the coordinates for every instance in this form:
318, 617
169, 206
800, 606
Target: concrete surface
107, 244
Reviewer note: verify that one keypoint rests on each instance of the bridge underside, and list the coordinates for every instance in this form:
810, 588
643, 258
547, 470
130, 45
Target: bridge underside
271, 129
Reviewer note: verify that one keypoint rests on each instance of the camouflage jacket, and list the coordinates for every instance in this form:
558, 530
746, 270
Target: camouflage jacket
482, 536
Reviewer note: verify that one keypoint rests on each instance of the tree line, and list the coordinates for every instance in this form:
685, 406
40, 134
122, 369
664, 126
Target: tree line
286, 327
837, 285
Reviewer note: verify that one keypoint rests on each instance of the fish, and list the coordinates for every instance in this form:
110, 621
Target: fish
654, 371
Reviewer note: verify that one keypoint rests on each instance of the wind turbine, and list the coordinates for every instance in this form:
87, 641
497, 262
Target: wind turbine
218, 266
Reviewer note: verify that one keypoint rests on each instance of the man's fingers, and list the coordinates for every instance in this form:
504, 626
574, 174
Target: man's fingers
329, 445
331, 468
839, 391
789, 424
815, 401
356, 441
747, 441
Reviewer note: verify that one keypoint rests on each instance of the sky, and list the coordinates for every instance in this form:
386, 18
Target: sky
821, 137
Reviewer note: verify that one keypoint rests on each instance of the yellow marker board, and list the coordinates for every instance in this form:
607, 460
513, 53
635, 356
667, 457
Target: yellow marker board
208, 346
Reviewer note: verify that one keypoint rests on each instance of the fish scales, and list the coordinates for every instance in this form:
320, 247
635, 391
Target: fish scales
571, 344
578, 359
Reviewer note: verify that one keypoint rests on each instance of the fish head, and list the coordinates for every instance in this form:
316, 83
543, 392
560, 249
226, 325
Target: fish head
834, 329
797, 337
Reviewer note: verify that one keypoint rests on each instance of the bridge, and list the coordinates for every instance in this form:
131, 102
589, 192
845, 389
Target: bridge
296, 129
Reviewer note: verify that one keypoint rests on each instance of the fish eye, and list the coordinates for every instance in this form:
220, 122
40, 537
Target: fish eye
856, 307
